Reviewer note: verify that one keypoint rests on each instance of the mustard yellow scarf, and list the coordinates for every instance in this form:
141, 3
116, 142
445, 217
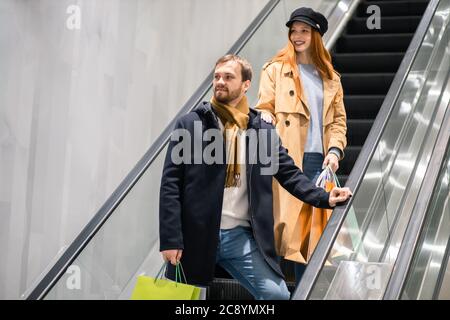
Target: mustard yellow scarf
233, 119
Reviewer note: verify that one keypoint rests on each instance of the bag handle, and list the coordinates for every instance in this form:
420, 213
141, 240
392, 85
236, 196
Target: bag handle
326, 175
178, 271
160, 272
335, 178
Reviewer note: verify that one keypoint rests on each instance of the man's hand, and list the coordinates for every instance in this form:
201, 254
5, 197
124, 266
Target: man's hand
173, 256
331, 160
339, 195
267, 117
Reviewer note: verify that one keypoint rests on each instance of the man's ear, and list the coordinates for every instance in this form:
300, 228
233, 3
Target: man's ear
247, 85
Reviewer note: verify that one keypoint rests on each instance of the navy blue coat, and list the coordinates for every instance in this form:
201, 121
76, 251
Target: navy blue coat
191, 198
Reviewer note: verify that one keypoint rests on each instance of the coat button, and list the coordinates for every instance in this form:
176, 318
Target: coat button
291, 92
287, 123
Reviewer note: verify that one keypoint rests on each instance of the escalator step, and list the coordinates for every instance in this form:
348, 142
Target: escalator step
366, 83
287, 267
368, 62
227, 289
346, 164
393, 8
362, 106
392, 42
406, 24
221, 273
342, 178
230, 289
357, 131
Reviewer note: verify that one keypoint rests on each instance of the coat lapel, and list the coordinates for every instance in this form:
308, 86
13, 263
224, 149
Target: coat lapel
288, 72
254, 120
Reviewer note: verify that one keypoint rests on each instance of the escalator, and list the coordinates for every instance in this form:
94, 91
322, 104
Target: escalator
121, 241
366, 247
368, 60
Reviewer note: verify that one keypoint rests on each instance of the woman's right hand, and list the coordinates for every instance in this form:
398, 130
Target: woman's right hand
267, 117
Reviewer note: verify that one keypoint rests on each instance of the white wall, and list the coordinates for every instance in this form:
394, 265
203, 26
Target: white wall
78, 108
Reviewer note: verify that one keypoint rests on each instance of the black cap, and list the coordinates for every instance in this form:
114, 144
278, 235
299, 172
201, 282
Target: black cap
309, 16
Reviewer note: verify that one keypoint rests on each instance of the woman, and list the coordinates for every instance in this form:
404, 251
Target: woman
302, 94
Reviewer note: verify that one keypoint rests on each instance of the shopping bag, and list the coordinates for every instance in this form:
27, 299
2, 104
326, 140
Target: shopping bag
349, 239
309, 225
311, 222
318, 216
149, 288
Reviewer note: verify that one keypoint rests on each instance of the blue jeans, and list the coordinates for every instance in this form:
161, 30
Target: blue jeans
239, 255
312, 167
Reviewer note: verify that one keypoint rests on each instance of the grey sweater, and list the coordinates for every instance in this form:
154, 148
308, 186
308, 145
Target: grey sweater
313, 90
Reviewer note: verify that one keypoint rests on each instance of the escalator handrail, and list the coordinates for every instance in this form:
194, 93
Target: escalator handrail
71, 253
323, 248
416, 222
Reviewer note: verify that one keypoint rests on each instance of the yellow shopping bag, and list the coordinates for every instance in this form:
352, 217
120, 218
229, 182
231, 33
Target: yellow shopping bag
149, 288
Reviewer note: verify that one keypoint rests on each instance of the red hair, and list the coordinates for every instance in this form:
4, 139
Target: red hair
318, 53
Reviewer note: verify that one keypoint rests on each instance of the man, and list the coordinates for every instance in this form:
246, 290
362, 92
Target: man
221, 212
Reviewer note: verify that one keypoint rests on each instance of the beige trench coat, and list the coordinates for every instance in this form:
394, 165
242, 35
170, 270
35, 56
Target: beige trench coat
277, 95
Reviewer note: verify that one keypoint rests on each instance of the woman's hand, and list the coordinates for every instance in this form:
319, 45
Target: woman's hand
267, 117
331, 160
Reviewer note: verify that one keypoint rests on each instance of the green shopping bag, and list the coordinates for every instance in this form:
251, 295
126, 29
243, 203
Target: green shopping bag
148, 288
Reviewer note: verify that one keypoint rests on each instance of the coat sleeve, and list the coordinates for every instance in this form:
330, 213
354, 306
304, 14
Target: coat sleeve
338, 128
266, 93
170, 206
297, 183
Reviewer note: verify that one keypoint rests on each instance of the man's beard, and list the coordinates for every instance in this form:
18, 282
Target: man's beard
226, 96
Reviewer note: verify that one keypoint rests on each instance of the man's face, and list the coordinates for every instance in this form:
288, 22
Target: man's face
300, 36
227, 84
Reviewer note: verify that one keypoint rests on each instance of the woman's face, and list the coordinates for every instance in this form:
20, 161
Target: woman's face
300, 36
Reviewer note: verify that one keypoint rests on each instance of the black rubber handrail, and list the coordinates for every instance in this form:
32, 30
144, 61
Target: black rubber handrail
320, 254
102, 215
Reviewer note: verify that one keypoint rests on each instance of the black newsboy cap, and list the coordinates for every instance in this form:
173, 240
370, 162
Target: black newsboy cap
309, 16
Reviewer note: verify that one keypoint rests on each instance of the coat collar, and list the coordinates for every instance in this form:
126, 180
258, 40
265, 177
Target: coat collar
204, 110
330, 88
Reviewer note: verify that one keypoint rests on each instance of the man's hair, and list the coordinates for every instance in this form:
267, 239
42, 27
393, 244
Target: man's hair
246, 68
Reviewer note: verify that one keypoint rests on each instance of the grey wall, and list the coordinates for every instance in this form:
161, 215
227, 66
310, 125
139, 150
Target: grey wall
78, 108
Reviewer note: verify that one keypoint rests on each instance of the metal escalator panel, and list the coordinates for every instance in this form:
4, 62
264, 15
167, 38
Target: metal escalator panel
358, 250
429, 274
424, 247
126, 244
